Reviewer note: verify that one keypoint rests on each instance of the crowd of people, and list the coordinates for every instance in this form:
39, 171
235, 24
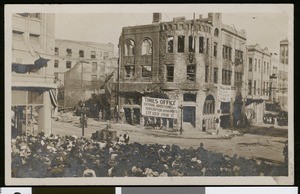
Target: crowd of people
39, 156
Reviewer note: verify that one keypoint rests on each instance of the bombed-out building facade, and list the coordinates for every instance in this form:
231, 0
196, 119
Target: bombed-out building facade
198, 62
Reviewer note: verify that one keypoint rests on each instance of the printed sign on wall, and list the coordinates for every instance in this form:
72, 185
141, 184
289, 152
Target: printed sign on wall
158, 107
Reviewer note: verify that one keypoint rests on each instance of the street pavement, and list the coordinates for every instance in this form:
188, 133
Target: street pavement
228, 142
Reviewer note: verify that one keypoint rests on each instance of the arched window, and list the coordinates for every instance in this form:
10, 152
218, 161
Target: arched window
209, 105
216, 33
129, 48
147, 47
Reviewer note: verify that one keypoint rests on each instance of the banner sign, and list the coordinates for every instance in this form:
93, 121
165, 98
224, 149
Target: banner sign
157, 107
224, 93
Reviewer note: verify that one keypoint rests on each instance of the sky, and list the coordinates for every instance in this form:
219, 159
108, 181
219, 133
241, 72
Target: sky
266, 29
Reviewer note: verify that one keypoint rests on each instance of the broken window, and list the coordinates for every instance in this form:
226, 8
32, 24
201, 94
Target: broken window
191, 44
170, 73
81, 53
216, 32
56, 63
94, 67
129, 48
129, 71
207, 45
147, 47
146, 70
250, 64
69, 52
206, 73
56, 51
201, 44
180, 44
93, 54
191, 72
215, 75
170, 44
215, 49
68, 64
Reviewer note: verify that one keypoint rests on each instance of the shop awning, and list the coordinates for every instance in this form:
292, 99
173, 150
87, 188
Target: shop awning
250, 101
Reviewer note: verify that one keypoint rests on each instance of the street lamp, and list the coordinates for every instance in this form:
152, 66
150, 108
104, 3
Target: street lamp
181, 118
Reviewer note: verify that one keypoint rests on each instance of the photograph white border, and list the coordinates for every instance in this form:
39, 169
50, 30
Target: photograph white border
148, 8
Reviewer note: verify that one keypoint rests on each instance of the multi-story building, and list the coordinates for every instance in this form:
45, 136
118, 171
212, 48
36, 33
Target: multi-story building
33, 99
69, 52
94, 60
198, 62
282, 93
84, 80
259, 68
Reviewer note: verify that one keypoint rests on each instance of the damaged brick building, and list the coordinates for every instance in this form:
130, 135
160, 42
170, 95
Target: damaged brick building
193, 61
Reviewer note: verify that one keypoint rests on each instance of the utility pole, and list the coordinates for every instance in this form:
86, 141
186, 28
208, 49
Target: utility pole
118, 87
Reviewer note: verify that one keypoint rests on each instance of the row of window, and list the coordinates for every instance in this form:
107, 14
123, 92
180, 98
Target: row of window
253, 89
257, 68
31, 15
81, 53
146, 71
69, 65
190, 73
19, 36
191, 43
147, 47
188, 26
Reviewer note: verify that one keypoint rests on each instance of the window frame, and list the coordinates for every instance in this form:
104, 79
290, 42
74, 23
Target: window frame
167, 73
180, 45
68, 63
191, 76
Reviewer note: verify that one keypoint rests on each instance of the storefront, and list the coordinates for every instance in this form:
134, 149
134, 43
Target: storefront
31, 110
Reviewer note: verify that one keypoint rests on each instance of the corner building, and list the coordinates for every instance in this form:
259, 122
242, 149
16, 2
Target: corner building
33, 88
187, 60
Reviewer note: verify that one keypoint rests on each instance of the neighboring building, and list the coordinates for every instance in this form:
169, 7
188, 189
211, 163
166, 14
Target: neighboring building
198, 62
33, 96
70, 52
85, 79
259, 68
283, 74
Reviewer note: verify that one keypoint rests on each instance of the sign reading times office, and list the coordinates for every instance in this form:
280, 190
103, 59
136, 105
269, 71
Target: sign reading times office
158, 107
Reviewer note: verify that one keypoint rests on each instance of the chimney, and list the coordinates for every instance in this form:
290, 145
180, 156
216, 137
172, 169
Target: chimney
156, 17
200, 17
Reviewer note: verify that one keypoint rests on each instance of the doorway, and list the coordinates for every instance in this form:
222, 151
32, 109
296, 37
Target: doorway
189, 114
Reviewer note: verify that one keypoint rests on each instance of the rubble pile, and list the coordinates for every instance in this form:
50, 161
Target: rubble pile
70, 156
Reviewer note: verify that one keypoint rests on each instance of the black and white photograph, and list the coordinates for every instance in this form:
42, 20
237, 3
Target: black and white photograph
149, 94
